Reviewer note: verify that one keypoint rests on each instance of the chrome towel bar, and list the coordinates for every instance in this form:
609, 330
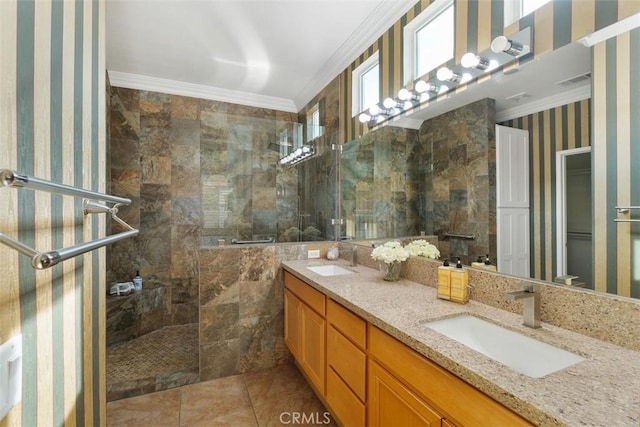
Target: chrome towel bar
624, 210
44, 260
460, 236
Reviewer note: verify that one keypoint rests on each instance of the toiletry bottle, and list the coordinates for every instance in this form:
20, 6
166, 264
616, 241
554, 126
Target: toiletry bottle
444, 280
488, 265
137, 282
479, 263
460, 284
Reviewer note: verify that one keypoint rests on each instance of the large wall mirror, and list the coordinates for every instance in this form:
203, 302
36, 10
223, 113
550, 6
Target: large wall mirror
440, 177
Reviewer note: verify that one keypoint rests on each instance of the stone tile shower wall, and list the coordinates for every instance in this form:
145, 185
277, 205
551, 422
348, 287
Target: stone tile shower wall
165, 149
460, 193
242, 308
376, 185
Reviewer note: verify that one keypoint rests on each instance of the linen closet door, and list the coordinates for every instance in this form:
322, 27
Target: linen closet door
512, 197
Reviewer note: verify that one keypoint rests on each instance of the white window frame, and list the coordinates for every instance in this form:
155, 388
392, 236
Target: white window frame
356, 83
410, 30
313, 123
514, 10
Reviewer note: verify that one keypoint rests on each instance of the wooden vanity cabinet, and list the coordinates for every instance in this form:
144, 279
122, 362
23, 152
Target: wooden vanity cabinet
304, 331
346, 365
368, 378
456, 401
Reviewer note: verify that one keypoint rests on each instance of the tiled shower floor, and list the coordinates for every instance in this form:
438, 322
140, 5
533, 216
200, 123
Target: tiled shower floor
159, 360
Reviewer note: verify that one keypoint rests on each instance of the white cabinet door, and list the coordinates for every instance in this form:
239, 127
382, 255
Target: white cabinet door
513, 241
512, 167
512, 197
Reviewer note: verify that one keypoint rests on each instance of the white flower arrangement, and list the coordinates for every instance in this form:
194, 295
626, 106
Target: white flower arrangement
390, 252
423, 248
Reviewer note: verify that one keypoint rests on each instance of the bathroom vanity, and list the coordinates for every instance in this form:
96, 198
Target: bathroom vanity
364, 346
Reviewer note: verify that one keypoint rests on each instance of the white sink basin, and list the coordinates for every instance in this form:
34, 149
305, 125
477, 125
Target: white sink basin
519, 352
329, 270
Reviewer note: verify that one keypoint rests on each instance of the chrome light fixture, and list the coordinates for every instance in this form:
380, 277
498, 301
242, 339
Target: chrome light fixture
422, 87
392, 103
300, 154
376, 110
471, 60
444, 74
364, 118
409, 95
503, 44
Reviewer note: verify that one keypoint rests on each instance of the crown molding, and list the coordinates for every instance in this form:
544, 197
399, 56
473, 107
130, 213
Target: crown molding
381, 19
612, 30
563, 98
173, 87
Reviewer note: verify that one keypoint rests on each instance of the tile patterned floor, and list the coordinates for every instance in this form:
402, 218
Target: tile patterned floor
272, 397
159, 360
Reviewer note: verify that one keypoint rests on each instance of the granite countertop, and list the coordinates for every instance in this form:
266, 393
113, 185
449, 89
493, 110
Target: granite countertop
603, 390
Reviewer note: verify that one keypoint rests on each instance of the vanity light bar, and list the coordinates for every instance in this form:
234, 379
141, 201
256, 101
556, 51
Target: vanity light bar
503, 51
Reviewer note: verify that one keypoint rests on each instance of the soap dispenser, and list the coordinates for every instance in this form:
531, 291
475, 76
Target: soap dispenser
488, 265
479, 263
459, 284
444, 280
137, 282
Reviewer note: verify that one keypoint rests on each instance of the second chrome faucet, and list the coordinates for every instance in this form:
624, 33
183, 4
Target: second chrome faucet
530, 296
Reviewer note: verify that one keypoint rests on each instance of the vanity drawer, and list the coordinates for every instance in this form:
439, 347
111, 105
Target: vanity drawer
345, 405
311, 297
347, 360
348, 323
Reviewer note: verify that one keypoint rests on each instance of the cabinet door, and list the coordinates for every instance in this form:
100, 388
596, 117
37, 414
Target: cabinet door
313, 347
393, 404
292, 323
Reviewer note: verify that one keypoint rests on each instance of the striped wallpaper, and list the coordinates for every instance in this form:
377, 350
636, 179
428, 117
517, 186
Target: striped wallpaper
550, 131
477, 22
52, 110
616, 162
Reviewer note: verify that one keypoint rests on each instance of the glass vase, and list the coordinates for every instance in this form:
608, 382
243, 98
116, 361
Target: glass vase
393, 271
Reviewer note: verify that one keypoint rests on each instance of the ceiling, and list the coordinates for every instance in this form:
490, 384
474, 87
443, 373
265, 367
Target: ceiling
266, 53
280, 53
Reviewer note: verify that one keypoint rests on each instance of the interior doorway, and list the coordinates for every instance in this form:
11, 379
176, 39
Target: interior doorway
574, 215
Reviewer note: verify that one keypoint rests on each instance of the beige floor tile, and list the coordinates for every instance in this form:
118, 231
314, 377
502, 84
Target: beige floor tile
276, 383
157, 409
242, 418
299, 411
213, 399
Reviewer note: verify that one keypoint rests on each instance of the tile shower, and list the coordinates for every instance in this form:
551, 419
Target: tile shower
198, 172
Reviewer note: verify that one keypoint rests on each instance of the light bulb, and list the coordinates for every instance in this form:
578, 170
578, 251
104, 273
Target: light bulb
375, 110
445, 74
422, 86
404, 94
390, 103
503, 44
364, 117
469, 60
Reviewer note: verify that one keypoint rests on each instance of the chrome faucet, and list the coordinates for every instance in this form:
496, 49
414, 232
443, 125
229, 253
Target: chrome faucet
354, 255
530, 294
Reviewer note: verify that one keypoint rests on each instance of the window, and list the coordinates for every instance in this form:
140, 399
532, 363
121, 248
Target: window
516, 9
314, 129
429, 39
365, 83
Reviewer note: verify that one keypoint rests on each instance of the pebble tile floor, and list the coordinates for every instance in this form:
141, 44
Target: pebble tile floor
271, 397
156, 361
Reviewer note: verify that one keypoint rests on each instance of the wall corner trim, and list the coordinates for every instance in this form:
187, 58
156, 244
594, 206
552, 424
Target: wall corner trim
174, 87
